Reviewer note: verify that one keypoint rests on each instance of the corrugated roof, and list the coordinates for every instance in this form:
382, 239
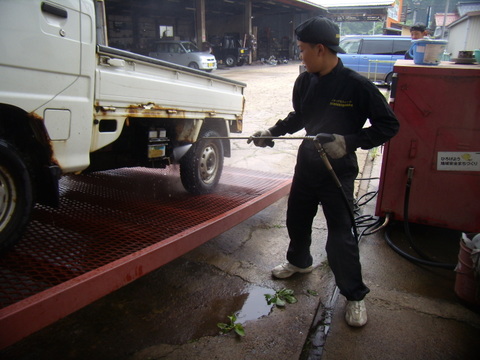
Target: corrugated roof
465, 17
312, 3
350, 3
466, 7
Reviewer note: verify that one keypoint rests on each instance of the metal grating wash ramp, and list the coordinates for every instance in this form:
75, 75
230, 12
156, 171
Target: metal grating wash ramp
111, 228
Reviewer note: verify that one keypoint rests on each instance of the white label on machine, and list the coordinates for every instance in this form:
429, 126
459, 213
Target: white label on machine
458, 161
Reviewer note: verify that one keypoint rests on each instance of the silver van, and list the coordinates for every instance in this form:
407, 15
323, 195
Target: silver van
374, 55
184, 53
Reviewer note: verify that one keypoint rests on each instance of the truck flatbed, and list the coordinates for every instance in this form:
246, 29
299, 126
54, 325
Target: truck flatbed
109, 230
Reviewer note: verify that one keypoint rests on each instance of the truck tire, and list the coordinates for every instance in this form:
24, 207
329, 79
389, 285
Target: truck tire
201, 167
16, 195
230, 60
194, 65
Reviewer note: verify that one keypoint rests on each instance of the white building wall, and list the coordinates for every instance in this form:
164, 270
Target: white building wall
473, 40
464, 35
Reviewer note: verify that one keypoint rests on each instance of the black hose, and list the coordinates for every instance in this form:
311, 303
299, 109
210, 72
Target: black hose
406, 205
371, 195
415, 259
370, 225
334, 177
346, 202
351, 214
425, 260
368, 222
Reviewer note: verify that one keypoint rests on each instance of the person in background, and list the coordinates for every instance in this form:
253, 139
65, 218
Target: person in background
329, 98
417, 32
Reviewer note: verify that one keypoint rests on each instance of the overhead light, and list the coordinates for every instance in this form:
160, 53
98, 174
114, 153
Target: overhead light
229, 1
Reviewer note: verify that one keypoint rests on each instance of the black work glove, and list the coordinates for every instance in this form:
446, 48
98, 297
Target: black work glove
258, 141
336, 148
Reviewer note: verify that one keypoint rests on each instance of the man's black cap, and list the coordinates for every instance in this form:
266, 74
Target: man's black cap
320, 30
418, 27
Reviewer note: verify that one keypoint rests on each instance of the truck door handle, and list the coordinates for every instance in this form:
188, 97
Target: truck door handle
54, 10
116, 62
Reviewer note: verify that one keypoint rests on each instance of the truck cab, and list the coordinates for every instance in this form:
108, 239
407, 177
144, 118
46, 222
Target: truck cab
70, 103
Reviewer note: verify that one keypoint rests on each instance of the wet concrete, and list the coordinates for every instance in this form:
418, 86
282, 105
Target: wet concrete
173, 312
413, 310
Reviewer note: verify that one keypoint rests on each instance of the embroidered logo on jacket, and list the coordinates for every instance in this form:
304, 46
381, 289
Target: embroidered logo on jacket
341, 103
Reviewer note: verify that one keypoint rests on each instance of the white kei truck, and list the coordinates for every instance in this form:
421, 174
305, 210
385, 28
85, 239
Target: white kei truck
69, 103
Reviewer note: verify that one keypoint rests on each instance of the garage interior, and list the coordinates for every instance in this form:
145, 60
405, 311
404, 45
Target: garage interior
264, 26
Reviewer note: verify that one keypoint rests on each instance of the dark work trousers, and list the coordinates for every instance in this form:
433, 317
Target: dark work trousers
313, 185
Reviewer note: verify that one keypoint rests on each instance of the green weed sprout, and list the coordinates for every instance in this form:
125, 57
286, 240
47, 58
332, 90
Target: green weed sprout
281, 297
237, 327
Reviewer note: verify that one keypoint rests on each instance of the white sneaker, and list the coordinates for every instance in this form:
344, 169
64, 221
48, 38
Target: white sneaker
286, 270
356, 313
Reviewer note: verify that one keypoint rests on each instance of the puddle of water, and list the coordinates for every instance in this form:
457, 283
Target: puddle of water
255, 306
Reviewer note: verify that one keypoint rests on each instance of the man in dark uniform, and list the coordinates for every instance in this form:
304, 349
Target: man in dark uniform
329, 98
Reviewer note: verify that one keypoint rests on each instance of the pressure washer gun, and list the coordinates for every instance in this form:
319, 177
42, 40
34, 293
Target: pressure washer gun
318, 141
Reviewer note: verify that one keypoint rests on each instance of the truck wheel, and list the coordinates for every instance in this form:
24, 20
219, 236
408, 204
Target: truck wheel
16, 196
241, 62
201, 167
230, 60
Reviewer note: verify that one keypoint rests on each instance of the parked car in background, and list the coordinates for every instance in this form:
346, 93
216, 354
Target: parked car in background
229, 50
184, 53
374, 55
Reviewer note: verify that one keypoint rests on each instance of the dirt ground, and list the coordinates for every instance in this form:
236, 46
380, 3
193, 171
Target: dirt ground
268, 99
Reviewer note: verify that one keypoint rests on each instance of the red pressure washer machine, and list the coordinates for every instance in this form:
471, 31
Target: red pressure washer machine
436, 154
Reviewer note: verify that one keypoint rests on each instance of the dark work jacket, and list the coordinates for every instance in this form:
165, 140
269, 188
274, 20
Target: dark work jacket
340, 103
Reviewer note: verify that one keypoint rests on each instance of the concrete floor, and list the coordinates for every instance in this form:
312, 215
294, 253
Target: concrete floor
172, 313
413, 310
